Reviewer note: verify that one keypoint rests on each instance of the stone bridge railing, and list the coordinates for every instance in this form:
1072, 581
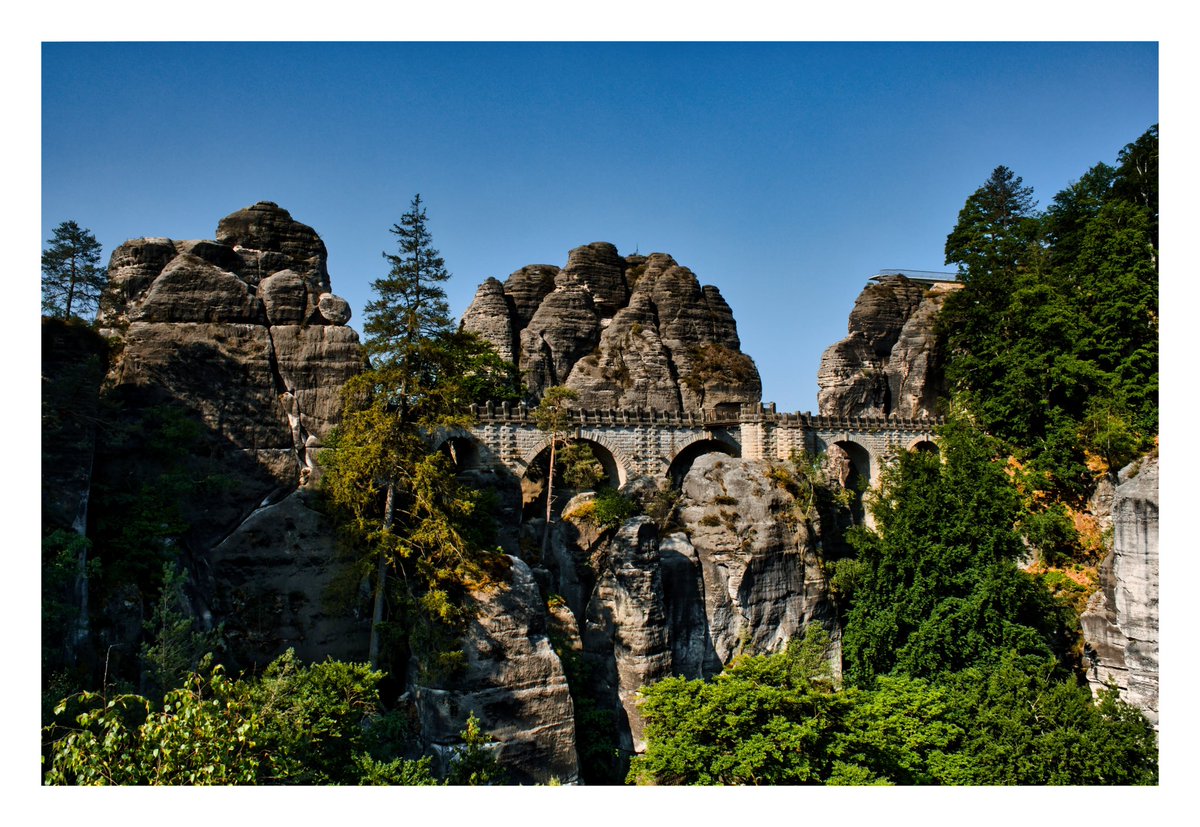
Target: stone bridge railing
657, 444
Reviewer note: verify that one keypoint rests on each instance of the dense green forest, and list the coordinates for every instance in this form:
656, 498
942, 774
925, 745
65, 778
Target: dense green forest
960, 666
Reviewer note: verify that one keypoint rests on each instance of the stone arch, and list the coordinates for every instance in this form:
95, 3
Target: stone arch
463, 447
532, 474
861, 463
853, 465
617, 464
682, 462
923, 443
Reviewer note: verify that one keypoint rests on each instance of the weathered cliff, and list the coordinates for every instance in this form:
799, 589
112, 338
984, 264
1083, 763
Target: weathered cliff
623, 331
890, 364
513, 682
239, 347
1120, 626
743, 576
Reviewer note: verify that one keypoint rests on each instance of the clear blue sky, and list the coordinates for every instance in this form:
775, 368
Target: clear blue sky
785, 174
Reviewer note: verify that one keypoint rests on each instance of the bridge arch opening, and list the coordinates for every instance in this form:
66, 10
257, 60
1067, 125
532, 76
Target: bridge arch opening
463, 451
849, 464
922, 445
683, 461
534, 479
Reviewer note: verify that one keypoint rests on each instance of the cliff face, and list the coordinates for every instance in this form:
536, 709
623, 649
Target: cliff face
742, 576
242, 342
623, 331
1120, 625
890, 364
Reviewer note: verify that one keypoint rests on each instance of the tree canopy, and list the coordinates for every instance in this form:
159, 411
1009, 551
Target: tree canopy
72, 278
1052, 343
402, 508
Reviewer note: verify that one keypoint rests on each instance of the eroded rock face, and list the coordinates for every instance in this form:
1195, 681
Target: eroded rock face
890, 363
742, 577
513, 682
1120, 625
763, 583
240, 339
625, 636
243, 334
270, 582
623, 331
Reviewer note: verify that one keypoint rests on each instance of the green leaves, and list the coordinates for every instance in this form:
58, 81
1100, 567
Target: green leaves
72, 278
1009, 721
937, 588
1059, 314
318, 724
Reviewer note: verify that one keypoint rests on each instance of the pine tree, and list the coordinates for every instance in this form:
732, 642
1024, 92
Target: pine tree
995, 228
382, 449
72, 277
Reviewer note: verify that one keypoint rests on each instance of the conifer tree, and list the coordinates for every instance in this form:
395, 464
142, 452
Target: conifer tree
72, 277
413, 385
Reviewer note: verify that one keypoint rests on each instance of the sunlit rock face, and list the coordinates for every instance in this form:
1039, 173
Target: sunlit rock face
512, 681
624, 331
763, 584
1120, 625
890, 363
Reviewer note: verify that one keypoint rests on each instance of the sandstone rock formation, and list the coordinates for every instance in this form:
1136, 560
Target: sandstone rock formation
623, 331
1120, 625
269, 584
625, 635
243, 335
762, 581
513, 682
241, 340
890, 364
742, 577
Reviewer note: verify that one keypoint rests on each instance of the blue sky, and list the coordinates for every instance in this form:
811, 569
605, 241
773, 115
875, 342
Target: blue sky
784, 173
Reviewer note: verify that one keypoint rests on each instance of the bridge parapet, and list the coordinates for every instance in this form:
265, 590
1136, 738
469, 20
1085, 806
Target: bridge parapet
521, 414
647, 442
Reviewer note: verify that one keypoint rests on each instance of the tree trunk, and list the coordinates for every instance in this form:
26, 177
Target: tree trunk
389, 510
549, 496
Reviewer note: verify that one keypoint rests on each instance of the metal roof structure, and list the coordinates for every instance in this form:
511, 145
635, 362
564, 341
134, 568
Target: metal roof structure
922, 276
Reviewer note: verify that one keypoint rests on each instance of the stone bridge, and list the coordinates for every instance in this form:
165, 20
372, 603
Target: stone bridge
661, 446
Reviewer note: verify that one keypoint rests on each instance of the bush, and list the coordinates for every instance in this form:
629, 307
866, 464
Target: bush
613, 508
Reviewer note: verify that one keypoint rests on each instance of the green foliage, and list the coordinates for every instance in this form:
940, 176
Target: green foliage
1022, 726
553, 412
1053, 341
475, 763
995, 229
397, 501
1052, 532
72, 277
778, 720
613, 508
938, 589
205, 733
764, 720
581, 469
318, 724
175, 647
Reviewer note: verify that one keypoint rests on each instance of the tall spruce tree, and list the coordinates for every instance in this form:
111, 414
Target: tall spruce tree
382, 447
72, 277
994, 230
